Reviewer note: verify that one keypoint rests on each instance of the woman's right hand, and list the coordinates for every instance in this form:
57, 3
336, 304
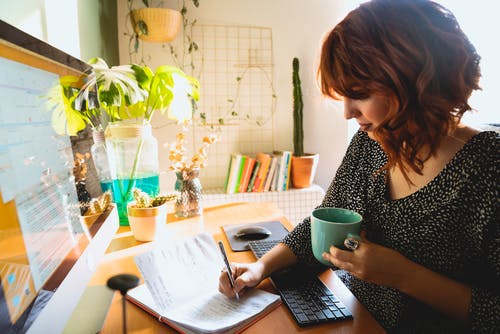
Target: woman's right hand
245, 275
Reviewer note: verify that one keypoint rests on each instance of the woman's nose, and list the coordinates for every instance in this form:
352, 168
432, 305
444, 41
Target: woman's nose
349, 110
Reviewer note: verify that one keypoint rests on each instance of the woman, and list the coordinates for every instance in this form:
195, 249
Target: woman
426, 185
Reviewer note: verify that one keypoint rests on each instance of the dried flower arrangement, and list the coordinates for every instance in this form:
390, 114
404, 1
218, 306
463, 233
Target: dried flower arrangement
143, 200
177, 151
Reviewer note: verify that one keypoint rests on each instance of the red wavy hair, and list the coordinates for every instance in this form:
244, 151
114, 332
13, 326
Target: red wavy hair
414, 53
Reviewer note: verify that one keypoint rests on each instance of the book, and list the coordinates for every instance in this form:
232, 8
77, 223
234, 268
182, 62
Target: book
226, 184
234, 167
240, 173
288, 170
247, 174
181, 289
260, 179
255, 171
270, 174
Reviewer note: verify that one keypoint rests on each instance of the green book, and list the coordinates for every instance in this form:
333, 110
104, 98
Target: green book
240, 172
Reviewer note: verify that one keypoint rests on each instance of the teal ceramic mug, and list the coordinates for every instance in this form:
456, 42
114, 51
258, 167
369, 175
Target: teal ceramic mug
331, 226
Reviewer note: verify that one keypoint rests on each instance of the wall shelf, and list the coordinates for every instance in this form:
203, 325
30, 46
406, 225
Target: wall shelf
295, 203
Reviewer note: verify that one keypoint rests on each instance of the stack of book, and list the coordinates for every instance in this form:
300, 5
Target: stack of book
264, 172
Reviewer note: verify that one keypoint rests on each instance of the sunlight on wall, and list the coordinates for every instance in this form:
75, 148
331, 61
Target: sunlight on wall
62, 25
478, 19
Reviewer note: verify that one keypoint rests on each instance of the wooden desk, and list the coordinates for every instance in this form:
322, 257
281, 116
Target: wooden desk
119, 259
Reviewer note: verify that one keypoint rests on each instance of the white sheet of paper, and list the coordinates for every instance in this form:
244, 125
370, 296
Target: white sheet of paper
179, 272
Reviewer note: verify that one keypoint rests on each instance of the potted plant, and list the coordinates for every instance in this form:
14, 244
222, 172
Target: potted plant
303, 164
154, 24
148, 214
127, 96
94, 208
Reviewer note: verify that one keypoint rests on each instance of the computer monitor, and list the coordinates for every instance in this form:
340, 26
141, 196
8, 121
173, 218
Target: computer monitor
47, 254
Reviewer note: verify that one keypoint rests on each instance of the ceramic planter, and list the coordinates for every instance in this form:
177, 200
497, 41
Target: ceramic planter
163, 24
146, 223
303, 170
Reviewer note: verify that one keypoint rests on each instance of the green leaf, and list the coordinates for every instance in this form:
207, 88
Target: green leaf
196, 3
146, 3
238, 79
136, 43
143, 27
221, 121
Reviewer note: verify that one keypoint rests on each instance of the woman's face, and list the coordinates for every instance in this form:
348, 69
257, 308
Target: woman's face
369, 112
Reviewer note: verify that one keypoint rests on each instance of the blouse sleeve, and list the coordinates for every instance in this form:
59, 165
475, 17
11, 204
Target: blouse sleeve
345, 191
484, 309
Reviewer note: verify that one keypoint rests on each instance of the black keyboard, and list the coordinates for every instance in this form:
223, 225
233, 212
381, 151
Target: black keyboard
308, 299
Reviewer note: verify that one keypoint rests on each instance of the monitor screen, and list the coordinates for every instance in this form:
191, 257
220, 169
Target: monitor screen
47, 253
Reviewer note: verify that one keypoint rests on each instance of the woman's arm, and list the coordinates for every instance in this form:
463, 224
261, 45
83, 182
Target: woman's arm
387, 267
440, 292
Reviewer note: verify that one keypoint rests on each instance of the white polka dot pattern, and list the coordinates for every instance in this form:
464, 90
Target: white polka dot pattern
450, 226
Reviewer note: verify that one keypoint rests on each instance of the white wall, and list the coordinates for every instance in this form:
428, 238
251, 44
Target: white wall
297, 30
76, 27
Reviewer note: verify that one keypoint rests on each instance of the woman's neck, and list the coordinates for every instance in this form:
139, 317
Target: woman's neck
449, 146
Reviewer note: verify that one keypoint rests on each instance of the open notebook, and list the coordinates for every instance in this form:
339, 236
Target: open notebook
181, 282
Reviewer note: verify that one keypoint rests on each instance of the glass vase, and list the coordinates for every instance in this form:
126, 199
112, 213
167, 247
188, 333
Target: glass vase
133, 161
188, 185
100, 157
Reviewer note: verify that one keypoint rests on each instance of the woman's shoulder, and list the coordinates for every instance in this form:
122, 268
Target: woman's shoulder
481, 153
484, 142
361, 140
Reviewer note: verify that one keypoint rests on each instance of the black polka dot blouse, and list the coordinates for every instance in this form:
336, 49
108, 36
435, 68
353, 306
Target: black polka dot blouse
450, 226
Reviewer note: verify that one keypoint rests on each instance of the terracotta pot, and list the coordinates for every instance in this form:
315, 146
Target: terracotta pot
163, 24
303, 170
146, 223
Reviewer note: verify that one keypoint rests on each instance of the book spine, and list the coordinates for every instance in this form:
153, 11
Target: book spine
247, 173
281, 175
288, 169
265, 160
240, 173
270, 175
235, 165
255, 171
228, 174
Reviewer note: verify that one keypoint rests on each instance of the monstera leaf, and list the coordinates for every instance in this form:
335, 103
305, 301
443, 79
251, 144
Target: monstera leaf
65, 119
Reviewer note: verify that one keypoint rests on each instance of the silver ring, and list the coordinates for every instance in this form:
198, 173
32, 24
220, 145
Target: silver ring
351, 243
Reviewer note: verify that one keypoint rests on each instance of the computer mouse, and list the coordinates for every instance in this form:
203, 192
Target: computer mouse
252, 232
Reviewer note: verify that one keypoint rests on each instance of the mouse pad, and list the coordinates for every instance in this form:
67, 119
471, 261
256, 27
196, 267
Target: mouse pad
278, 232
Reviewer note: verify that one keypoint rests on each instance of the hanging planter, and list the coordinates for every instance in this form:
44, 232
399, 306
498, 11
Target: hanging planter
156, 24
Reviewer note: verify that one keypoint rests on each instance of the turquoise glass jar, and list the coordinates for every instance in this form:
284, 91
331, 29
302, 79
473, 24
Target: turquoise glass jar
133, 162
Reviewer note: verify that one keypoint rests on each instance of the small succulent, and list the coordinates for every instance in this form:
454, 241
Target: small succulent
99, 204
143, 200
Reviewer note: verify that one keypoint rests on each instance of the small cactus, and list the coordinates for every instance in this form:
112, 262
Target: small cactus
99, 204
143, 200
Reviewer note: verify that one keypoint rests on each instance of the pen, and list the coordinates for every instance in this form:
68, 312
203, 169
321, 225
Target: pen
228, 267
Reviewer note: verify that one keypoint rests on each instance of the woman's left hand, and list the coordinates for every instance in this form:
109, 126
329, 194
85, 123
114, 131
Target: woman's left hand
371, 262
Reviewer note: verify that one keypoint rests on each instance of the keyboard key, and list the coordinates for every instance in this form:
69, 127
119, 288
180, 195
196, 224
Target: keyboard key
346, 312
338, 314
328, 313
